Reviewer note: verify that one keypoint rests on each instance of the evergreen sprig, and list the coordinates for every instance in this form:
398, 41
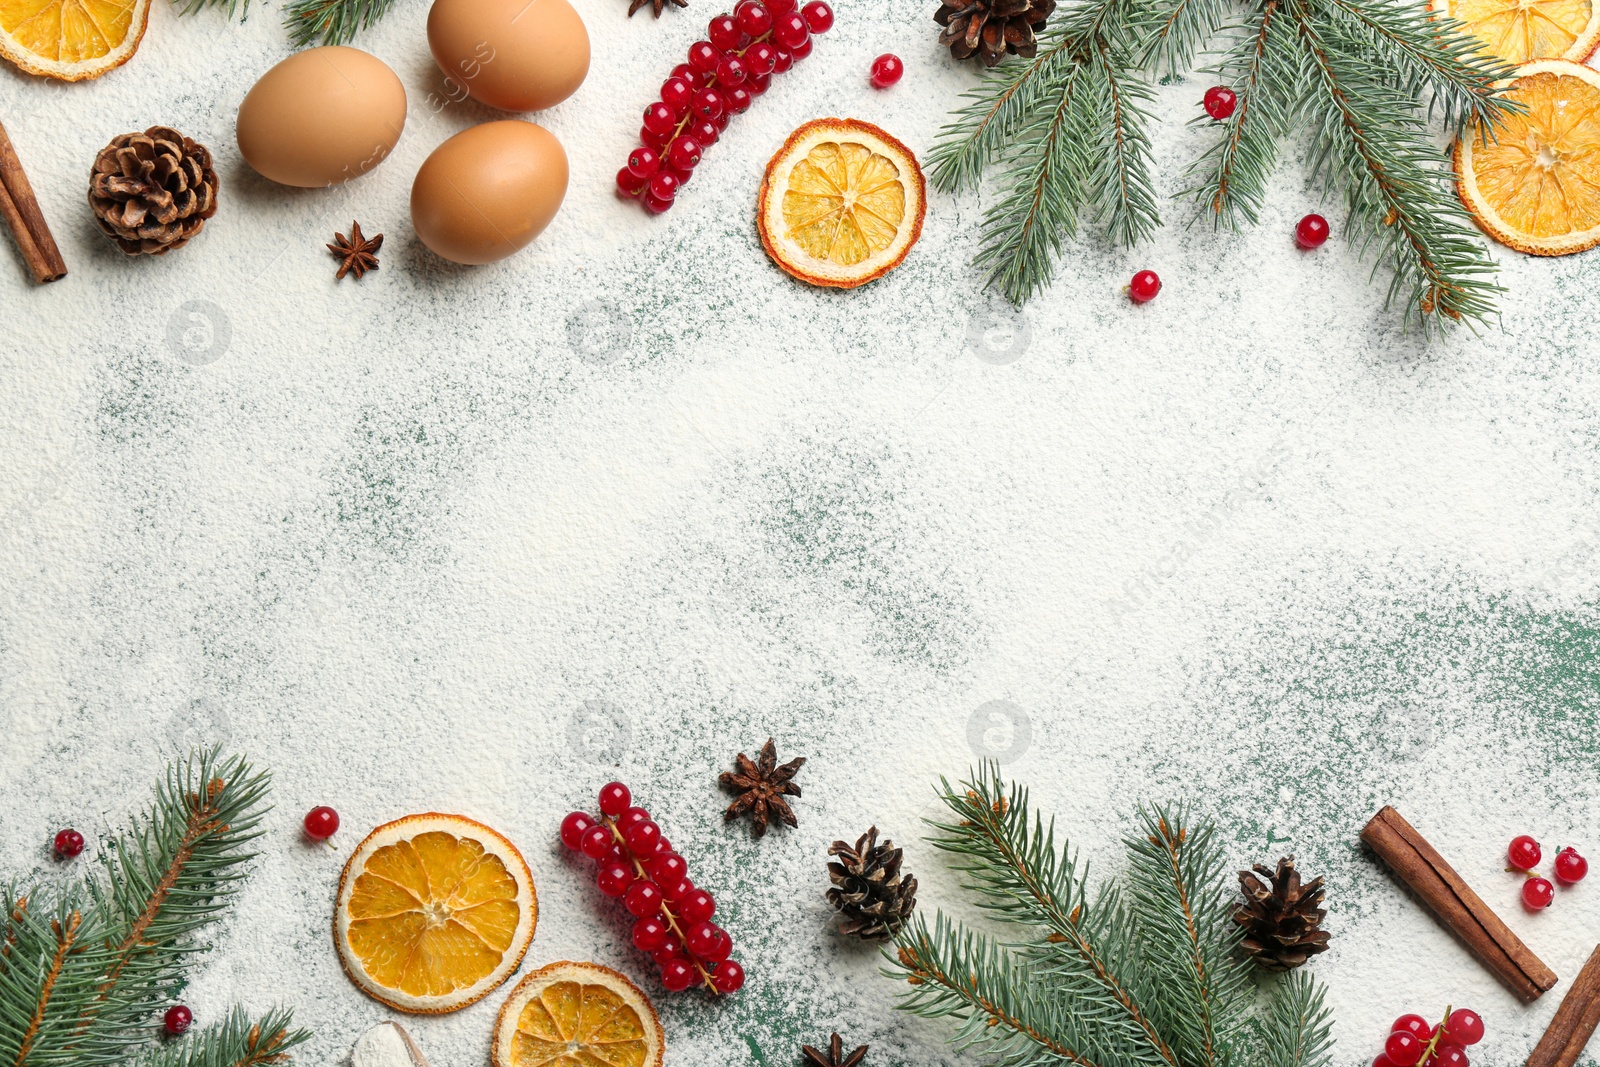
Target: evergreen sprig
1067, 133
87, 965
1146, 974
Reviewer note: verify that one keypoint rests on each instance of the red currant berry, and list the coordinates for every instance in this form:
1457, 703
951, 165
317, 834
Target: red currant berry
1537, 893
818, 16
1448, 1056
678, 892
801, 50
886, 70
658, 118
177, 1020
728, 977
783, 62
655, 205
697, 906
1415, 1025
68, 843
721, 948
574, 826
614, 879
1143, 289
614, 799
655, 141
722, 120
1464, 1027
694, 79
664, 186
703, 57
671, 948
759, 58
700, 938
669, 869
724, 32
779, 8
675, 93
1404, 1049
705, 134
649, 933
643, 898
642, 162
1524, 853
707, 104
790, 30
662, 846
683, 155
757, 84
1311, 232
738, 100
1220, 101
677, 974
596, 840
616, 853
1570, 868
321, 823
754, 18
730, 72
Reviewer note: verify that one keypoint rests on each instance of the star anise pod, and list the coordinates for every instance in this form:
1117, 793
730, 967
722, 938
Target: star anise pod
358, 254
835, 1056
659, 5
762, 785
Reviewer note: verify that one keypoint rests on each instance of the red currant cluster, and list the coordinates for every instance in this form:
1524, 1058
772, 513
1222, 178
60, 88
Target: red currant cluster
1538, 893
671, 915
1412, 1042
722, 78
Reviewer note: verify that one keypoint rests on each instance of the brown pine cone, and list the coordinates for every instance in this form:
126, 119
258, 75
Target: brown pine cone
153, 191
989, 29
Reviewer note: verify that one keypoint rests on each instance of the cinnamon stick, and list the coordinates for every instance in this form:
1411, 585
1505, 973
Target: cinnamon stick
1462, 911
1575, 1020
21, 211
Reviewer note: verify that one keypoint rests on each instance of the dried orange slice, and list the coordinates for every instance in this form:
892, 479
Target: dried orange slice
1535, 186
71, 39
1520, 31
434, 911
842, 203
577, 1015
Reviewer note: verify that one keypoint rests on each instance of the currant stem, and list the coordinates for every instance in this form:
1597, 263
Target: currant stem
673, 923
1433, 1042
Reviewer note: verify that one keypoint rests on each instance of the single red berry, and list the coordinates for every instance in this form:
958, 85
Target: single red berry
1144, 287
321, 823
679, 891
722, 120
671, 948
649, 933
757, 84
596, 841
1404, 1049
675, 93
801, 50
177, 1020
737, 100
754, 18
703, 57
642, 899
1311, 232
663, 846
720, 948
683, 155
1524, 853
69, 843
700, 937
724, 32
677, 974
668, 869
694, 79
655, 205
818, 16
654, 141
1447, 1056
1537, 893
1464, 1027
707, 104
886, 70
759, 59
575, 825
697, 906
614, 799
705, 134
1219, 102
790, 30
1414, 1025
1570, 867
642, 162
614, 879
728, 977
658, 118
784, 60
730, 72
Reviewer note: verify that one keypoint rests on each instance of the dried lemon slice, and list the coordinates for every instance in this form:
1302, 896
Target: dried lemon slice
1520, 31
71, 39
842, 203
1536, 185
434, 912
577, 1015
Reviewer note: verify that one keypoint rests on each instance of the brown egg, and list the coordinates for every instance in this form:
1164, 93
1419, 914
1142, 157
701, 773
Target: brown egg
322, 116
489, 190
517, 55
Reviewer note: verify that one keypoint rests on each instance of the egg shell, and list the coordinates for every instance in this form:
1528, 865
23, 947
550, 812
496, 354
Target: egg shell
489, 191
516, 55
321, 117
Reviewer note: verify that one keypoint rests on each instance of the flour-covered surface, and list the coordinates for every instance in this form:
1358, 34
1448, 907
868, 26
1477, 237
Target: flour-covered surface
478, 540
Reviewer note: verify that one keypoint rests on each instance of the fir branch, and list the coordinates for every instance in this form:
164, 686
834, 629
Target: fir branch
331, 21
1297, 1029
1120, 179
235, 1042
228, 7
66, 937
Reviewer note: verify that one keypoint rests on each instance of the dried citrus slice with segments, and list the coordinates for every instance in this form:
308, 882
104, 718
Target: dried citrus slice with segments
71, 39
1535, 186
577, 1015
842, 203
1520, 31
434, 912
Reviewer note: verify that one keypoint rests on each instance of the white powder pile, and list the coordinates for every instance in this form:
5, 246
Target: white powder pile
479, 540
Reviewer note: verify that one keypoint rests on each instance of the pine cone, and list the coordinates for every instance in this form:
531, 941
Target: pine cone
991, 28
1281, 916
867, 888
152, 191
